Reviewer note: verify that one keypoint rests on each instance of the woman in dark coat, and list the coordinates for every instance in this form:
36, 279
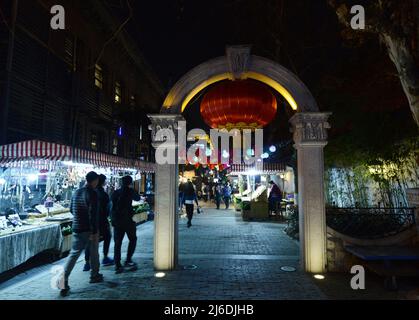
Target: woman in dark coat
189, 198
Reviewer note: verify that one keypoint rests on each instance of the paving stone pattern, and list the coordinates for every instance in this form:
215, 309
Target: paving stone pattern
234, 260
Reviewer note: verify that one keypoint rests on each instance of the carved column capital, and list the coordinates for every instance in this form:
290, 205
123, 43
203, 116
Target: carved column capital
164, 122
310, 128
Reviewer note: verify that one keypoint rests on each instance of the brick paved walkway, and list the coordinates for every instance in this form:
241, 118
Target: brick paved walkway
233, 259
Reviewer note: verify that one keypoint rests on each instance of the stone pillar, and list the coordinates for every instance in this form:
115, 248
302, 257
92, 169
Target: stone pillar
413, 200
166, 195
310, 137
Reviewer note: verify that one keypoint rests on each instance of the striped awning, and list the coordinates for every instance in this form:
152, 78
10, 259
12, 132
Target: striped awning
145, 166
258, 168
41, 154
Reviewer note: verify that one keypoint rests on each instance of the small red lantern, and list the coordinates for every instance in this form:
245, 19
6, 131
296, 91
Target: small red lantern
241, 104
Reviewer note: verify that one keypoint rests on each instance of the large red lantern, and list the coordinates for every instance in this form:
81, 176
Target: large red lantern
242, 104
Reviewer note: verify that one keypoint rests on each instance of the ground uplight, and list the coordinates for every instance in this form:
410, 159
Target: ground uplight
160, 275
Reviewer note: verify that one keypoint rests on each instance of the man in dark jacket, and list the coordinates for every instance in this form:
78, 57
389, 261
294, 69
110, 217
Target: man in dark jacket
104, 227
122, 213
189, 198
218, 190
84, 207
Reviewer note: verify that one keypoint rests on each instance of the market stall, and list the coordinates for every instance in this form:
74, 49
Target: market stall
37, 180
253, 181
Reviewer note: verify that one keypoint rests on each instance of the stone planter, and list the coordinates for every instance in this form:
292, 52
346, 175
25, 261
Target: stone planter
66, 244
140, 217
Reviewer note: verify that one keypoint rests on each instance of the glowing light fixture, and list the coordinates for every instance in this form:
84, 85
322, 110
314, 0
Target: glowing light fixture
252, 172
225, 154
160, 275
272, 149
319, 277
74, 164
265, 155
32, 177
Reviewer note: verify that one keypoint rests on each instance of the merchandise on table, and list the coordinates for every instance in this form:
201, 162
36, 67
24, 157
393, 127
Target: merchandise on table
37, 179
252, 196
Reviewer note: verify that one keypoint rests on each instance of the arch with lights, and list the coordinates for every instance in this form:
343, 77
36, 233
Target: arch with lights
309, 127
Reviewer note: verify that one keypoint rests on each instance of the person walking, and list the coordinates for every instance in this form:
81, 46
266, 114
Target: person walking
275, 196
181, 187
217, 195
122, 213
189, 198
227, 195
84, 207
104, 227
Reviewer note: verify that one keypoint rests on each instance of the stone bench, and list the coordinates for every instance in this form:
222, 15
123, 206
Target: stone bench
389, 261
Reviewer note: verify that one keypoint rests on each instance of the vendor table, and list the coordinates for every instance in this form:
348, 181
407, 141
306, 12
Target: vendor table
16, 247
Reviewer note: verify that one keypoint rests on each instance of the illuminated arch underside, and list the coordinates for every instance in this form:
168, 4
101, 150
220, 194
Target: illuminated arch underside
261, 69
248, 75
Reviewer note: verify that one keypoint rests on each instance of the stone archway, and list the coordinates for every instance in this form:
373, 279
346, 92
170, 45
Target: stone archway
238, 63
309, 127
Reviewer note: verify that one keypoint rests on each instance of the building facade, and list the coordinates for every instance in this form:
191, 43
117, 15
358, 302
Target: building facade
86, 86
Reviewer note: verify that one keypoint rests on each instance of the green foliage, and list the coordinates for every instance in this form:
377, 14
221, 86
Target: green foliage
66, 231
380, 180
144, 207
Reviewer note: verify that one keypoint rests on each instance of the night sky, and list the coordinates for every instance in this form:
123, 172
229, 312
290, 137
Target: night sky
177, 35
355, 82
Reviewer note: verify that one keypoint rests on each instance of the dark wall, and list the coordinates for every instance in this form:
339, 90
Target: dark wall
52, 94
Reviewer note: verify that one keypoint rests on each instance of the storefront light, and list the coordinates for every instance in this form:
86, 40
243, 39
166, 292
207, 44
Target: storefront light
74, 164
32, 177
68, 163
225, 154
272, 149
252, 172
